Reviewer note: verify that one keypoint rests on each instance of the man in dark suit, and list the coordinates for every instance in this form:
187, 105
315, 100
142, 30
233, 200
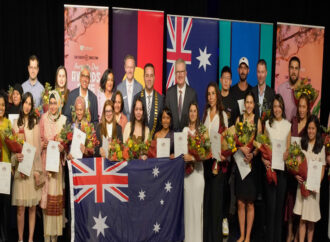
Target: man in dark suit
152, 100
129, 87
263, 94
88, 95
179, 97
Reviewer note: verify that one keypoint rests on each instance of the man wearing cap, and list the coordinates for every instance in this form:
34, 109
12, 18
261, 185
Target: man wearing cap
242, 87
285, 89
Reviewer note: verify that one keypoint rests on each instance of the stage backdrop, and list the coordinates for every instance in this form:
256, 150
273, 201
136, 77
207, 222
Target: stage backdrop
307, 43
249, 39
139, 33
196, 41
85, 43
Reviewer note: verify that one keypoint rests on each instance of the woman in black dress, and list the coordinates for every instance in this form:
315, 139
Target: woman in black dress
246, 188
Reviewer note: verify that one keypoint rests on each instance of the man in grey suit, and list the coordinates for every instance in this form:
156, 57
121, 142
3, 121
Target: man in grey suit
152, 100
263, 94
179, 97
88, 95
129, 87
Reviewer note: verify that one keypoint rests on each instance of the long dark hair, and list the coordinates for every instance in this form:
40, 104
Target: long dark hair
169, 113
5, 97
218, 105
318, 139
104, 79
278, 98
198, 121
133, 120
104, 130
250, 93
32, 119
113, 99
303, 96
66, 90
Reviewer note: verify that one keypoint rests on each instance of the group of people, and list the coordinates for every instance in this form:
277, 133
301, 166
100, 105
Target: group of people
131, 111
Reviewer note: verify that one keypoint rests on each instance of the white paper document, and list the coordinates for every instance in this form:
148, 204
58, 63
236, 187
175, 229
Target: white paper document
241, 106
314, 172
78, 138
296, 139
12, 117
105, 146
278, 149
5, 175
28, 152
52, 156
215, 139
163, 147
243, 167
180, 143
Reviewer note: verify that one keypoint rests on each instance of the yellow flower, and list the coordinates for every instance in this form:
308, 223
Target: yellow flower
234, 150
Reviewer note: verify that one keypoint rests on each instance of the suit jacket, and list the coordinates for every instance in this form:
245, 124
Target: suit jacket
92, 108
137, 87
268, 99
154, 112
171, 102
99, 137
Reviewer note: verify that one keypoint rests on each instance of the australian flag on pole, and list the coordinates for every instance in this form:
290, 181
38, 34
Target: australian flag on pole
196, 41
127, 201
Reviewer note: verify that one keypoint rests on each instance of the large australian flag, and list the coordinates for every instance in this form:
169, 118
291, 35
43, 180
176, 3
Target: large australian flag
196, 41
127, 201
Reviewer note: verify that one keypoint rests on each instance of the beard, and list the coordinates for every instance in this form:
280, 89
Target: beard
293, 79
243, 77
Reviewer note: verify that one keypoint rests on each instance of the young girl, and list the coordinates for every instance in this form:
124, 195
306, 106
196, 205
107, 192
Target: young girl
309, 207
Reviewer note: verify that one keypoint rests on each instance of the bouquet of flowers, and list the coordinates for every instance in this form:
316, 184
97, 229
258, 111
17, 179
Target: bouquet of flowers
262, 143
152, 151
37, 113
91, 139
45, 97
135, 148
228, 143
12, 140
306, 88
244, 134
199, 146
326, 138
296, 164
65, 136
116, 150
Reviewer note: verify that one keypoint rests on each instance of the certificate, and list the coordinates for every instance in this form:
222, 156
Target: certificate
215, 139
163, 147
52, 156
78, 138
243, 167
105, 146
296, 139
278, 149
180, 143
241, 106
12, 117
5, 174
314, 172
28, 152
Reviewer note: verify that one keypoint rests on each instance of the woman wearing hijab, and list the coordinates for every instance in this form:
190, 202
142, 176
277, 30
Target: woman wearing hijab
16, 98
51, 124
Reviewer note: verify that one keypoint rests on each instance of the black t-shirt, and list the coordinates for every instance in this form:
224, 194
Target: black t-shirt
231, 108
238, 94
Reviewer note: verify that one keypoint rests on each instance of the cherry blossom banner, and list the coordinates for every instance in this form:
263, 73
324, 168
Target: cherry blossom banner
86, 34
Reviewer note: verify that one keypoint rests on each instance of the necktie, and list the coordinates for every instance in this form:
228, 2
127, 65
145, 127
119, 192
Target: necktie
180, 104
149, 107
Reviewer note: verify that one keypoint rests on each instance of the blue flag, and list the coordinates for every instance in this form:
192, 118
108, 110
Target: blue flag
196, 41
127, 201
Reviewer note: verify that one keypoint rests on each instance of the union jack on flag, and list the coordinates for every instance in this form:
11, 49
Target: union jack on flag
99, 179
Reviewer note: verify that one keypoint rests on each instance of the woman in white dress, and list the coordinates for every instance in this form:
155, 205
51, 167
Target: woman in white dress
309, 207
215, 119
193, 186
277, 128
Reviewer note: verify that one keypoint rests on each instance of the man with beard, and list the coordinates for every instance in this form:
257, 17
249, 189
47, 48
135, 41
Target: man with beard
242, 87
285, 89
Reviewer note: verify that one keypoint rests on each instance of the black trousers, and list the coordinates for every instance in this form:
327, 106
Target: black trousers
4, 217
213, 204
275, 196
